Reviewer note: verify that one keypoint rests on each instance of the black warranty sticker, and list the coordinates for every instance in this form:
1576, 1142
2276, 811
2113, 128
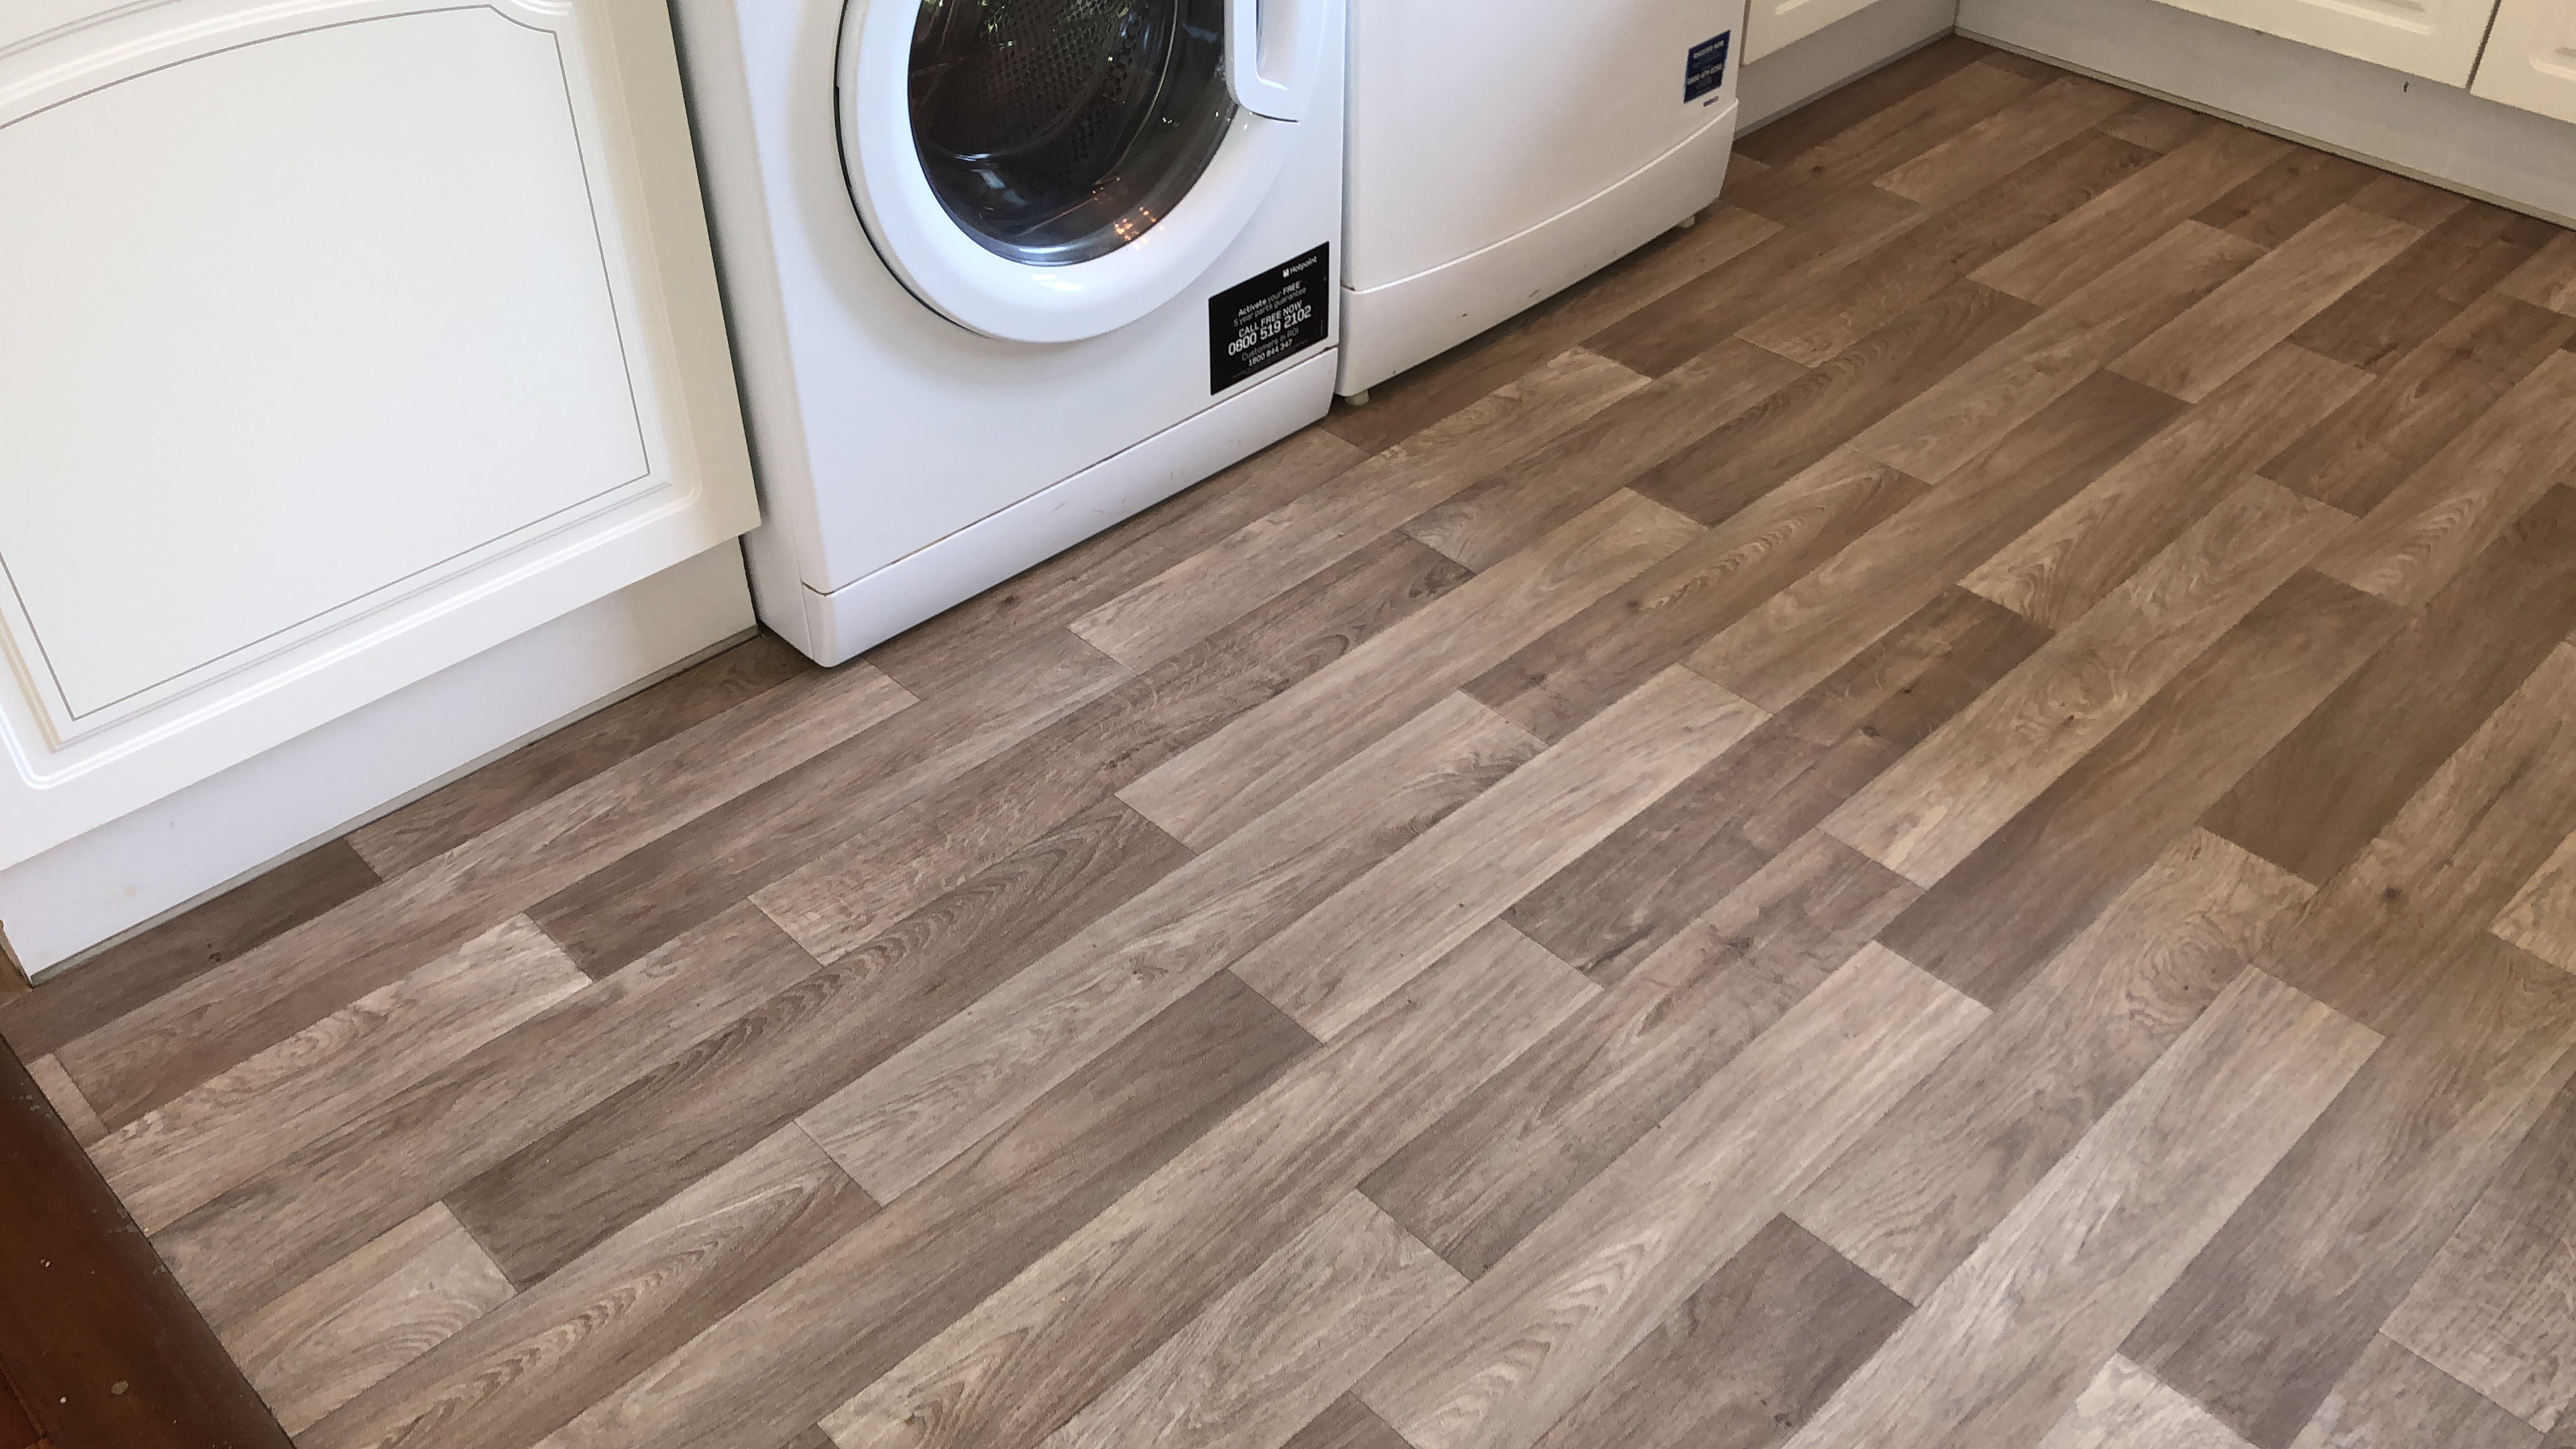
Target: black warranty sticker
1264, 322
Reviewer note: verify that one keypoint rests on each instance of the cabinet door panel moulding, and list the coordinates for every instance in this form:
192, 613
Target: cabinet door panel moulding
348, 339
2436, 39
2531, 58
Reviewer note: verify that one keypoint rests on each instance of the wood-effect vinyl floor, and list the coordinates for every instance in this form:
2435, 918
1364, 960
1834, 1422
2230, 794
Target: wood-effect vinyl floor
1942, 811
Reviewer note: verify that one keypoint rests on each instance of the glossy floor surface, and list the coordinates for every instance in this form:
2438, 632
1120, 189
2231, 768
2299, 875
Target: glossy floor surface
1937, 813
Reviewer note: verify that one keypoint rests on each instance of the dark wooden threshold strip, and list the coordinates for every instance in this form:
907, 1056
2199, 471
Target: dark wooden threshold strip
95, 1335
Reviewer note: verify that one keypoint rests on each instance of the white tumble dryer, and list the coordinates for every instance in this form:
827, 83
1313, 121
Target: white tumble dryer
1003, 272
1504, 149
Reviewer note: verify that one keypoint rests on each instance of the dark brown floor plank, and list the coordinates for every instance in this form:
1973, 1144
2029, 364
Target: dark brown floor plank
1031, 1355
2470, 253
274, 990
2497, 1309
653, 894
1629, 895
2392, 1397
1801, 187
862, 1305
1578, 668
2007, 1344
1348, 1424
2279, 201
2062, 109
93, 1330
1522, 502
2327, 789
2402, 198
1805, 632
125, 976
2116, 225
840, 900
955, 648
2287, 1296
2159, 126
2385, 930
547, 767
1816, 321
521, 1370
2004, 910
299, 1217
1790, 430
2355, 457
1811, 125
554, 1198
1855, 222
1475, 1184
1915, 1195
1747, 1360
2078, 555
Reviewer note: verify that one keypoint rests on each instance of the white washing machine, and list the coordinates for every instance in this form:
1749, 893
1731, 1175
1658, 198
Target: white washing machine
1502, 150
1000, 273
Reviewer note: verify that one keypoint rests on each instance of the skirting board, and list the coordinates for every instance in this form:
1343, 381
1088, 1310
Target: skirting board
127, 875
1842, 52
2400, 122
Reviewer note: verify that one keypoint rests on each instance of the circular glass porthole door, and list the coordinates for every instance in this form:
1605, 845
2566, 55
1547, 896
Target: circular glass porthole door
1058, 131
1052, 170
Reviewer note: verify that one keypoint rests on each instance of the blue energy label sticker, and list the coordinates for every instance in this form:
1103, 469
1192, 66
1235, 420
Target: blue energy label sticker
1705, 73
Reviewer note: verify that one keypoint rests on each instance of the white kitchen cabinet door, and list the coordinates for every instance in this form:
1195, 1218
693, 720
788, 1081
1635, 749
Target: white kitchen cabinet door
1771, 24
2531, 58
339, 341
2436, 39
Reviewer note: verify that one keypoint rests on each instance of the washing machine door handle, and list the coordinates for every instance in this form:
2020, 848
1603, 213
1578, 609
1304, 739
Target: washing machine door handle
1255, 53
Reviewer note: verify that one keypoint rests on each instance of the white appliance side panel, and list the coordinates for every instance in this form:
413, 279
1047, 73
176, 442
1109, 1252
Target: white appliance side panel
272, 806
1473, 122
255, 372
2436, 39
899, 426
1388, 329
392, 335
2531, 59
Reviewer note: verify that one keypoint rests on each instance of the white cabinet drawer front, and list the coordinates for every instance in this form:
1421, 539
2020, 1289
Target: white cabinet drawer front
341, 342
2436, 39
2531, 60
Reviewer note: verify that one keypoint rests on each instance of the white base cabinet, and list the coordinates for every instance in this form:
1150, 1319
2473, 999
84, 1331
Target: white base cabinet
2436, 39
2531, 59
345, 339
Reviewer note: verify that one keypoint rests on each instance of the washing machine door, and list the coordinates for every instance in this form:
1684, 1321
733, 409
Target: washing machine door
1051, 170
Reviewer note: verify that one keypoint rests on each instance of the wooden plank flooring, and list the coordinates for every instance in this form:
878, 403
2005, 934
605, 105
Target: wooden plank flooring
1941, 811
